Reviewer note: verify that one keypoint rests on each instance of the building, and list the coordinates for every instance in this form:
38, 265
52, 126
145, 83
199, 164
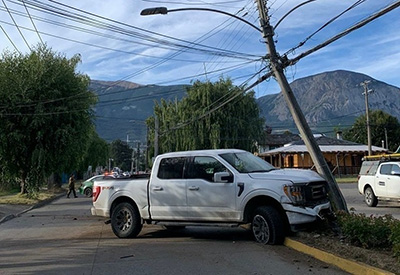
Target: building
343, 157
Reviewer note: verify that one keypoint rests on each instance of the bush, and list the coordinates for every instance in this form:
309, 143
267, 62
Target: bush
372, 231
395, 239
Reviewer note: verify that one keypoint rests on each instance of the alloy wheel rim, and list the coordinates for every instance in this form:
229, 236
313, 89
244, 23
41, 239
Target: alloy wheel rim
261, 229
124, 220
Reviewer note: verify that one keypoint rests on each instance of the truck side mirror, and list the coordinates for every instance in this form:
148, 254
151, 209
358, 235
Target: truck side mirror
223, 177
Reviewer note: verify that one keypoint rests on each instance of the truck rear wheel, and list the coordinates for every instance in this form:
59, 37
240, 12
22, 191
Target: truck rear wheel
125, 221
370, 199
267, 226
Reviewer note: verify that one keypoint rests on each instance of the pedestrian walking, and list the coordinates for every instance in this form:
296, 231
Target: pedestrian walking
71, 186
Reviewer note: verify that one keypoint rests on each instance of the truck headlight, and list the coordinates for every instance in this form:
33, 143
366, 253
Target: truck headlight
295, 193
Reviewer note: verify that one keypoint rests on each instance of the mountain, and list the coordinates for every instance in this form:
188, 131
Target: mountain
123, 107
330, 99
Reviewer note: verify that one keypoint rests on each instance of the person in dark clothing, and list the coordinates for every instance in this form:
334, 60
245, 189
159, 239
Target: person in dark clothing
71, 186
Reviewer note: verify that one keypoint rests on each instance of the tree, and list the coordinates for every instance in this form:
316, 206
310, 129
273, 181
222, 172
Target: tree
45, 115
121, 153
379, 123
97, 153
192, 123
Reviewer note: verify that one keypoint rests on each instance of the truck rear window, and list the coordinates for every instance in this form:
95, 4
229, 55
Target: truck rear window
171, 168
369, 167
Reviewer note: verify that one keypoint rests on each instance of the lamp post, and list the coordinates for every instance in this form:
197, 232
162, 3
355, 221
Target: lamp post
277, 66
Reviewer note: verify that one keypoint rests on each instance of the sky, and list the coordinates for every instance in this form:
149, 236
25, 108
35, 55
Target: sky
116, 43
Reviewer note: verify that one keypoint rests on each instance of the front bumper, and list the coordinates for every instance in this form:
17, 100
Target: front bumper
301, 215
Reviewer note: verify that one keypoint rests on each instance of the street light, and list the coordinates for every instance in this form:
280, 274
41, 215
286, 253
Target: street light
164, 10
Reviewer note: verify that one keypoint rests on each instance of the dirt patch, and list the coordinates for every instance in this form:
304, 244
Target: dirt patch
378, 258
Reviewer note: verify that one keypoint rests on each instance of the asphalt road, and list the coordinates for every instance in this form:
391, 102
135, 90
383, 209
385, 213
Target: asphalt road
63, 238
355, 202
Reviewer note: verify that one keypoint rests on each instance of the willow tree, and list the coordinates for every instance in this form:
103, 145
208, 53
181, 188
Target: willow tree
45, 115
197, 122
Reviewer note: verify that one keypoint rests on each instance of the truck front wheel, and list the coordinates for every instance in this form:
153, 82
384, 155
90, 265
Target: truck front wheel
370, 199
267, 226
125, 221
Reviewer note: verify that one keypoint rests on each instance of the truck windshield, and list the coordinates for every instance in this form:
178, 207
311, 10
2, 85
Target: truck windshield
246, 162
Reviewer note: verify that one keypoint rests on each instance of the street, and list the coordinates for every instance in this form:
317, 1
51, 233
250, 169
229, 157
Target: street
63, 238
356, 201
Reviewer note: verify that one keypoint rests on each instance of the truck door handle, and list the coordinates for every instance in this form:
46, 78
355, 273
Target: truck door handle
194, 188
157, 188
381, 183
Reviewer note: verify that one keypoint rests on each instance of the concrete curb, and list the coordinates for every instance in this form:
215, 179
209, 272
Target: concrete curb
352, 267
37, 205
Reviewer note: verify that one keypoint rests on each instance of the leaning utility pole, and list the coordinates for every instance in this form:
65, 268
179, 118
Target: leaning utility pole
366, 93
277, 67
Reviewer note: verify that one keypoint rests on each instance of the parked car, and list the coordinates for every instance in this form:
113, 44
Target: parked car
379, 178
86, 187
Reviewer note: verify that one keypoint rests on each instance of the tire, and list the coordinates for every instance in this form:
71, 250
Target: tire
370, 199
126, 221
267, 226
88, 192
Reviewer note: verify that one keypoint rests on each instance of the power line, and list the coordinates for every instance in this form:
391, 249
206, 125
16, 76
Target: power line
345, 32
15, 24
9, 39
323, 26
27, 11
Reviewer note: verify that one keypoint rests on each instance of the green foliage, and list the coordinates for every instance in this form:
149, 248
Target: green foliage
372, 231
97, 153
369, 232
195, 122
379, 121
45, 115
121, 153
395, 239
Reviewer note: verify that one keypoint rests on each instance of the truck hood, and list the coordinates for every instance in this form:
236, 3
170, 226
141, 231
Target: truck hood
293, 175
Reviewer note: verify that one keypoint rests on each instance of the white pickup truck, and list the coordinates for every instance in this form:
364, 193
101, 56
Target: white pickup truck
226, 187
379, 180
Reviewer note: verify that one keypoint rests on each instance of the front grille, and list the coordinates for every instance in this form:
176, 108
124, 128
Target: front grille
315, 192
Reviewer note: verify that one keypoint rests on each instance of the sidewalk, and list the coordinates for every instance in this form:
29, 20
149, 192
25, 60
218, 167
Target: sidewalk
10, 211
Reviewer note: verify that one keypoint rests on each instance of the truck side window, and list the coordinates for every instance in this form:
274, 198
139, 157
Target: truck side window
395, 169
171, 168
204, 168
386, 169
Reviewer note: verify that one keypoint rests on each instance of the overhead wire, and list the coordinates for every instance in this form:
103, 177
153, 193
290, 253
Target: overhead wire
345, 32
33, 23
9, 39
16, 25
357, 3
